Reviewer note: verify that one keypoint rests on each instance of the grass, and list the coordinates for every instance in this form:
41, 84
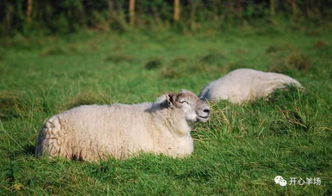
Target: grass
238, 152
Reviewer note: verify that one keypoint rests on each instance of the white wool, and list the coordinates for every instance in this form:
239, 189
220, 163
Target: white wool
94, 132
244, 85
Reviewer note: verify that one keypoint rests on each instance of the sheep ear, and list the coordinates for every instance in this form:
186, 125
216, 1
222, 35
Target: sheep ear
170, 98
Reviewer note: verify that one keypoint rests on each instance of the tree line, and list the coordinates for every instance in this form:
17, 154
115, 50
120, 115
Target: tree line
51, 16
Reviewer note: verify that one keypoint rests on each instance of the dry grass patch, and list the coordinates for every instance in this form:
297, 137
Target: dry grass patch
10, 105
213, 57
320, 45
118, 58
54, 50
298, 61
295, 61
84, 98
277, 48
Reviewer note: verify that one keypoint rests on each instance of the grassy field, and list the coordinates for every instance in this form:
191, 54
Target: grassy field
238, 152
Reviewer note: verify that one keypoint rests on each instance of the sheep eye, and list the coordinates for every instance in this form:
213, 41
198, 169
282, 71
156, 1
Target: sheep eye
183, 101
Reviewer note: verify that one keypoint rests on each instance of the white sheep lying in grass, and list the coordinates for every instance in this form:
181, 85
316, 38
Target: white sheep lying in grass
94, 132
244, 85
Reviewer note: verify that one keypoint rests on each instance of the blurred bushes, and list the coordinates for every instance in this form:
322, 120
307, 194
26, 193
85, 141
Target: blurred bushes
63, 16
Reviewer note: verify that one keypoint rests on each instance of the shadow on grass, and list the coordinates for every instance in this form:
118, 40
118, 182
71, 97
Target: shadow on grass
153, 64
29, 150
10, 105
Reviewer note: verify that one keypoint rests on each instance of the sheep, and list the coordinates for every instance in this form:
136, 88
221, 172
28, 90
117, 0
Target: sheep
97, 132
245, 85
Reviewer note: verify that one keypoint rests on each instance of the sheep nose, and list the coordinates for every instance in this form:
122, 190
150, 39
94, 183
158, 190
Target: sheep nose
206, 111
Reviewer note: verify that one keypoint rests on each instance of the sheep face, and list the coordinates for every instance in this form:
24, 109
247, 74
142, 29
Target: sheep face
192, 107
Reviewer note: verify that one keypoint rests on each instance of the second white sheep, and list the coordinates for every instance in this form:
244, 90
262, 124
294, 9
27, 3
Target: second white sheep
245, 85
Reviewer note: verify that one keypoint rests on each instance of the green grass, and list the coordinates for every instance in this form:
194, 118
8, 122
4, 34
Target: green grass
238, 152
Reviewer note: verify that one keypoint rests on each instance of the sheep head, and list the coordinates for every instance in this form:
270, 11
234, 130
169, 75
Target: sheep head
192, 107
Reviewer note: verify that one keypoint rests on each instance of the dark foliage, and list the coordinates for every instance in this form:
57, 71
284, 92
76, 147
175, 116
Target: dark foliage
63, 16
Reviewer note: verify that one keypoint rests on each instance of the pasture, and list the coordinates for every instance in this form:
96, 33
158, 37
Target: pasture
238, 152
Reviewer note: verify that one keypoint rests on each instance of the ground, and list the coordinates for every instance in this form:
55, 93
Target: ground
238, 152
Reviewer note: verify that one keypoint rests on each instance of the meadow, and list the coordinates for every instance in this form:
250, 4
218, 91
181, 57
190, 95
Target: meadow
238, 152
